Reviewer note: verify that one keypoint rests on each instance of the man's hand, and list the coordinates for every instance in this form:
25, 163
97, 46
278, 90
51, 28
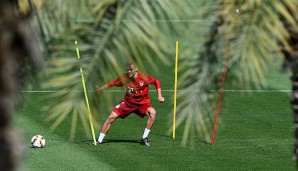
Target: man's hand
99, 89
161, 99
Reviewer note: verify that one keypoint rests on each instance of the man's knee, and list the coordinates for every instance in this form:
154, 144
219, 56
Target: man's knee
111, 118
151, 113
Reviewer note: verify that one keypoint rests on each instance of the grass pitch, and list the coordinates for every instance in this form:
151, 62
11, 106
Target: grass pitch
255, 132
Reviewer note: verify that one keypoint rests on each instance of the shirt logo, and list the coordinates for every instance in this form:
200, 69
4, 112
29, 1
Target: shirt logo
130, 90
141, 83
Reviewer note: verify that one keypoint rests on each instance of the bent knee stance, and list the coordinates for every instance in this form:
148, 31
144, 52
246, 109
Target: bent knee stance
111, 118
151, 113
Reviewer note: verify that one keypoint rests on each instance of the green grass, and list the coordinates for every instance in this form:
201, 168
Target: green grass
255, 132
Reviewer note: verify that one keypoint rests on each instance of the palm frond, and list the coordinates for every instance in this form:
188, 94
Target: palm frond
197, 71
116, 32
254, 35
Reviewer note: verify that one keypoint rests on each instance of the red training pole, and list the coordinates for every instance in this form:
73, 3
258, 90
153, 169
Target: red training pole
220, 96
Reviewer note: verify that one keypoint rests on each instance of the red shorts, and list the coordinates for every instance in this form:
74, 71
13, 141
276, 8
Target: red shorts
123, 109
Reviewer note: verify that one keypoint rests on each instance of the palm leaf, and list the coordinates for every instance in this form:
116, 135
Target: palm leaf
116, 32
253, 35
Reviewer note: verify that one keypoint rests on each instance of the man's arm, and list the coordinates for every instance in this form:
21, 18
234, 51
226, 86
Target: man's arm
156, 82
116, 82
159, 95
100, 89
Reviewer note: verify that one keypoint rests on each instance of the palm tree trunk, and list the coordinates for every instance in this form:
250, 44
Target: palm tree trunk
10, 149
294, 102
291, 61
18, 51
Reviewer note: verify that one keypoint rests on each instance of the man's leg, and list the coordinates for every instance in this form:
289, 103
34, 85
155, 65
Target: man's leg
106, 126
151, 113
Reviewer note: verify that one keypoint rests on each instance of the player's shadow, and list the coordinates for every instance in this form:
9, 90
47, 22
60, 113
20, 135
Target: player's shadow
161, 135
170, 137
108, 141
121, 141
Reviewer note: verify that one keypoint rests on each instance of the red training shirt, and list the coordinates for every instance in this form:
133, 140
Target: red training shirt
137, 90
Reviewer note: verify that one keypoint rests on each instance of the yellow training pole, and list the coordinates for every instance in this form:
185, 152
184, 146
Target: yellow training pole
175, 91
86, 96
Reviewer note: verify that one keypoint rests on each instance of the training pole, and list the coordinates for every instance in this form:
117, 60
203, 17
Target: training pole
86, 96
220, 96
175, 91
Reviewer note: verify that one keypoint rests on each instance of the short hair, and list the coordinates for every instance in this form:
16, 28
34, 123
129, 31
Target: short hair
130, 63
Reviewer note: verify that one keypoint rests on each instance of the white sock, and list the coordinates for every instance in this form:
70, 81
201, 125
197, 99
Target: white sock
146, 133
101, 137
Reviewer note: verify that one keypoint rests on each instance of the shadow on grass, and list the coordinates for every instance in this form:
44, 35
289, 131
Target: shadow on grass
200, 140
161, 135
121, 141
108, 141
170, 137
111, 141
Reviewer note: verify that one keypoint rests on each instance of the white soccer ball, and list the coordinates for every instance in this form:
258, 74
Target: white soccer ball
38, 141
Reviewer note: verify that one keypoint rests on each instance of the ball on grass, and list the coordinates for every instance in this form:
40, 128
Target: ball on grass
38, 141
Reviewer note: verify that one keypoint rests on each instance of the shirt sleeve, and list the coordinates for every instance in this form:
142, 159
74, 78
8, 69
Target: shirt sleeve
116, 82
153, 81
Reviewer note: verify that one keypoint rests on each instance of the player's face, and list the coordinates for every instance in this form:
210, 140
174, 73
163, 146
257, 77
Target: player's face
131, 71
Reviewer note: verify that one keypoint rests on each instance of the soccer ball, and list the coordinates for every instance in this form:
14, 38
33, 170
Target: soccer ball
38, 141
